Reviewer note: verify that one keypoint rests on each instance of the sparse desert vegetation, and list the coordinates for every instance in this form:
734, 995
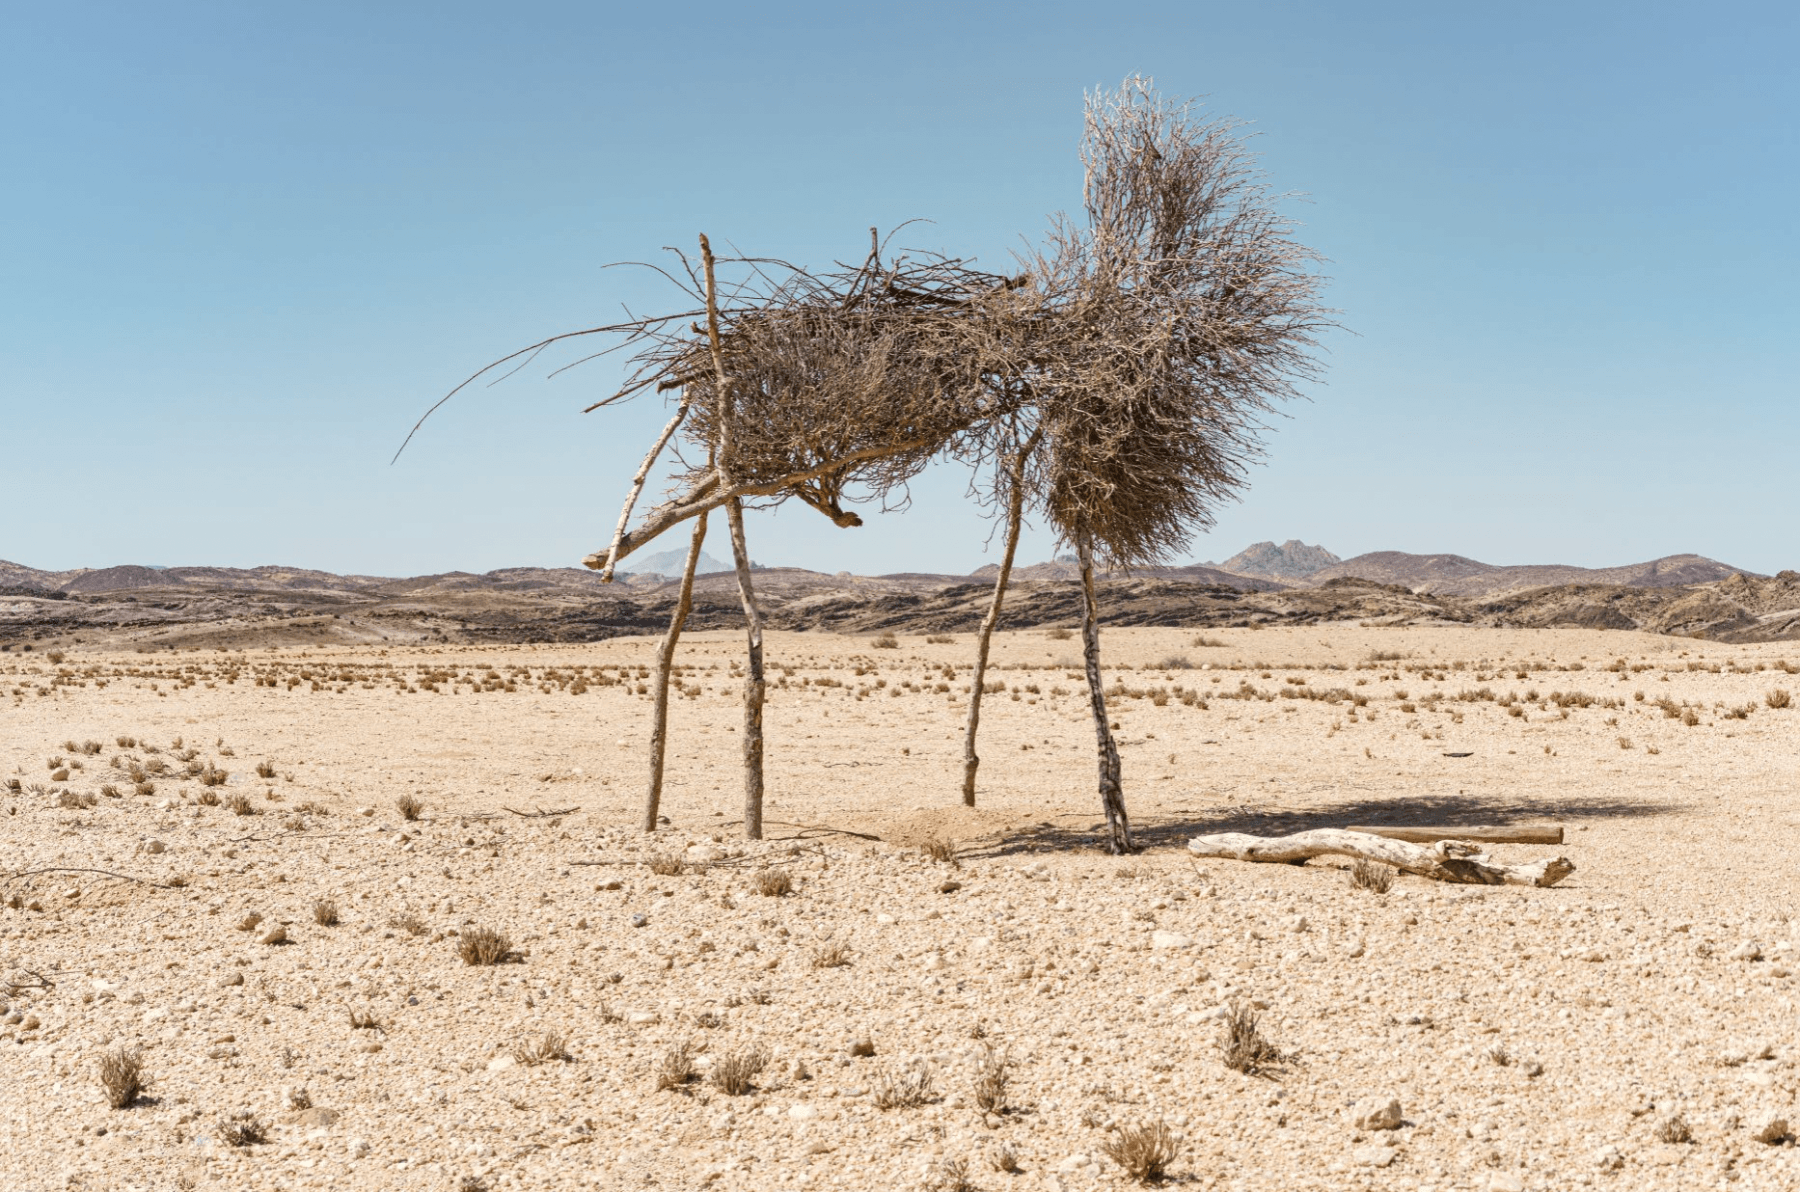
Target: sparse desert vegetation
1039, 1003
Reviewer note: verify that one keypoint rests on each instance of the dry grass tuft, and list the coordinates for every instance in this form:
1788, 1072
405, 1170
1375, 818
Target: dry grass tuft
939, 849
1059, 634
240, 804
667, 865
907, 1088
736, 1071
325, 912
1246, 1049
774, 883
1675, 1130
482, 946
675, 1070
1778, 698
243, 1130
549, 1046
991, 1076
265, 769
950, 1175
123, 1077
831, 956
1145, 1151
365, 1020
410, 807
1497, 1054
207, 798
411, 924
886, 641
1367, 875
1004, 1159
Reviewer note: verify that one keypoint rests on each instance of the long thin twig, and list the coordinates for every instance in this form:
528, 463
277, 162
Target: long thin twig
540, 813
25, 873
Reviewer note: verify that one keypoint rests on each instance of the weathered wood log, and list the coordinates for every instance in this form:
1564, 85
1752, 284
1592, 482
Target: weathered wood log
1445, 861
1484, 833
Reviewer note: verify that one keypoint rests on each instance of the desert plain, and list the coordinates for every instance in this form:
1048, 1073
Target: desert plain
207, 864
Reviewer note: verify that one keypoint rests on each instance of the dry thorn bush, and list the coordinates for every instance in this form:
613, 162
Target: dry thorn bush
1059, 635
409, 807
675, 1070
1675, 1130
939, 849
774, 883
1003, 1158
325, 912
735, 1073
831, 956
240, 804
991, 1077
365, 1020
265, 770
1498, 1054
907, 1088
243, 1129
411, 924
1778, 698
1246, 1049
886, 641
667, 865
122, 1076
482, 946
551, 1045
1145, 1151
1369, 875
207, 798
950, 1175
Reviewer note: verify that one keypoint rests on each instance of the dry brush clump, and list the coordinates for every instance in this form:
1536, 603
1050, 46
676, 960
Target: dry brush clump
1144, 1150
243, 1129
1245, 1048
409, 806
122, 1076
992, 1075
675, 1070
1372, 876
551, 1046
773, 883
325, 912
483, 946
903, 1088
735, 1072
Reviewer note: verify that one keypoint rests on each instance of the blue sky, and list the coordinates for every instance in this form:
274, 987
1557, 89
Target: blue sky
244, 246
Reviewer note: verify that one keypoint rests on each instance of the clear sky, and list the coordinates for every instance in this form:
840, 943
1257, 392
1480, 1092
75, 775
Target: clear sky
243, 246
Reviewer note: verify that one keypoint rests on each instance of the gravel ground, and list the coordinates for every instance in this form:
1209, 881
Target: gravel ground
1533, 1039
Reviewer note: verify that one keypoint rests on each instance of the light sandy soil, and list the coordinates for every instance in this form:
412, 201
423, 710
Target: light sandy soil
1655, 983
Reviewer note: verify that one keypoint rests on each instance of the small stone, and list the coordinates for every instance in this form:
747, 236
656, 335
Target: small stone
231, 979
1774, 1132
501, 1063
1169, 939
1373, 1156
724, 1121
1505, 1181
1608, 1158
861, 1046
802, 1113
949, 887
641, 1017
365, 812
1297, 923
154, 846
277, 936
1748, 950
934, 962
640, 920
1074, 1162
1377, 1113
316, 1118
884, 918
358, 1148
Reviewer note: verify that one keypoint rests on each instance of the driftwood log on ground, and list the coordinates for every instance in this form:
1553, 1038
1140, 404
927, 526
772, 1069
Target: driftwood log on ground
1445, 861
1483, 833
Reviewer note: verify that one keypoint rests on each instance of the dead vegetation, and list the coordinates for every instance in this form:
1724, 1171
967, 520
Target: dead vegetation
243, 1129
482, 946
551, 1046
409, 806
123, 1077
675, 1068
1244, 1047
903, 1088
992, 1074
1372, 876
1144, 1150
735, 1072
773, 883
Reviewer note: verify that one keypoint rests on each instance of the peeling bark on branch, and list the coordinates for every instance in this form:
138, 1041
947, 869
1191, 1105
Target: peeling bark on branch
665, 660
1445, 861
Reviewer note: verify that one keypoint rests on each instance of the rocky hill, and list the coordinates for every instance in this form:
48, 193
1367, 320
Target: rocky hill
1454, 575
1291, 562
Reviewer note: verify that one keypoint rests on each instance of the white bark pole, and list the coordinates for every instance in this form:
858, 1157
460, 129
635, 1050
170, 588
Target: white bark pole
1014, 514
665, 659
1445, 861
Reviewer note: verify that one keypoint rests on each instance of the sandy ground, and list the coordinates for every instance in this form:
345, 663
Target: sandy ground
1535, 1039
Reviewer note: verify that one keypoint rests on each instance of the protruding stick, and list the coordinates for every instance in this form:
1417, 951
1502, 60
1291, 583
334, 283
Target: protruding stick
665, 660
637, 487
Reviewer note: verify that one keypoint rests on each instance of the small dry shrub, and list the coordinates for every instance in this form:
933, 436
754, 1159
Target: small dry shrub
736, 1071
950, 1175
365, 1020
1675, 1130
551, 1045
906, 1088
940, 639
1245, 1048
1058, 634
471, 1183
143, 789
265, 769
207, 798
831, 956
212, 776
123, 1077
325, 912
109, 789
126, 742
675, 1070
939, 849
667, 865
90, 748
1003, 1158
1368, 875
411, 924
409, 807
1144, 1150
1497, 1054
886, 641
240, 804
991, 1076
1778, 698
482, 946
14, 785
243, 1129
774, 883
